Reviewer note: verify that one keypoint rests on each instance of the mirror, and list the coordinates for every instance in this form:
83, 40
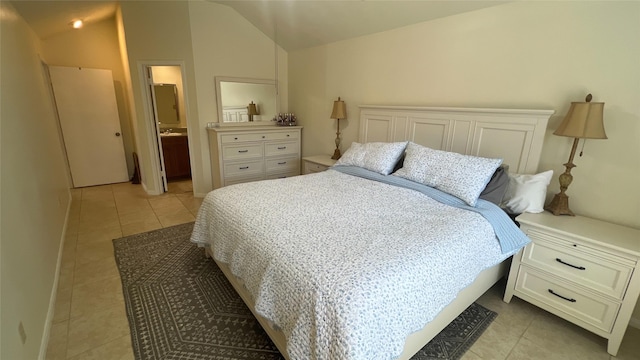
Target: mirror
167, 103
234, 96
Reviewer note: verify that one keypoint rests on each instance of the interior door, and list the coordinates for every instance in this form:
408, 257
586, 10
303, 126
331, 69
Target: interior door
86, 103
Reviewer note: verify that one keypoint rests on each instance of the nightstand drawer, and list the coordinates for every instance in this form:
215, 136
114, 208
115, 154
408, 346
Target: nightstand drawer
245, 151
559, 257
568, 299
310, 167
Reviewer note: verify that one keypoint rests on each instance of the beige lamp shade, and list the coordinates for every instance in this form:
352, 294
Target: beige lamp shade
339, 110
584, 121
253, 110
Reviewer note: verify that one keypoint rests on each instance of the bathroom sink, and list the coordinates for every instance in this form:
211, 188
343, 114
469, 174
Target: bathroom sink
173, 134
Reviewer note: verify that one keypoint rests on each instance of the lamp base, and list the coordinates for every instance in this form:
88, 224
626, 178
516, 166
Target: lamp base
559, 205
336, 154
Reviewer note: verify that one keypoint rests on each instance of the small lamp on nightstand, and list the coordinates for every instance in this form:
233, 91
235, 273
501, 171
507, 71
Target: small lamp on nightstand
252, 110
339, 112
583, 121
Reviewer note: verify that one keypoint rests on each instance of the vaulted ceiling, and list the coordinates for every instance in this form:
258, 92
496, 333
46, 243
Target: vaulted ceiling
293, 24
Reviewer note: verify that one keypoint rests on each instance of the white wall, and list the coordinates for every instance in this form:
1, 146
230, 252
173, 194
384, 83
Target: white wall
211, 40
540, 55
96, 46
158, 32
35, 191
226, 44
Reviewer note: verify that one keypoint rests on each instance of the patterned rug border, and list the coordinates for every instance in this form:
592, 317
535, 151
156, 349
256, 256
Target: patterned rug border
451, 344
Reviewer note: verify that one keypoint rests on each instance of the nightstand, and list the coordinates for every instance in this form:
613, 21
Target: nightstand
580, 269
316, 163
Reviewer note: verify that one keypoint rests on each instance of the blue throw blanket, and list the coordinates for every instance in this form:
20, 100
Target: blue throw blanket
510, 237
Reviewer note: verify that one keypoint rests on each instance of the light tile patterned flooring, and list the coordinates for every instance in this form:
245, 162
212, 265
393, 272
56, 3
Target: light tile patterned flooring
90, 321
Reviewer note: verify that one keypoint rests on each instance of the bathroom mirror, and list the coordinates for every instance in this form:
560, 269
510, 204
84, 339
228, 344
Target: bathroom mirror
167, 103
235, 94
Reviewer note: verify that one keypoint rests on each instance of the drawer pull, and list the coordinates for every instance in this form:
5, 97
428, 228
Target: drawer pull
235, 138
243, 151
573, 266
282, 163
562, 297
282, 147
288, 135
243, 167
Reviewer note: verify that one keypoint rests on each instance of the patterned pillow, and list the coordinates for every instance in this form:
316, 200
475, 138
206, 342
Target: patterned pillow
463, 176
376, 156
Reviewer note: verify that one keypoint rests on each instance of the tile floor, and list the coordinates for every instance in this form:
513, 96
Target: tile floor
90, 321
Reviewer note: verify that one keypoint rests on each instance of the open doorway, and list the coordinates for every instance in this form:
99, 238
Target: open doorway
167, 97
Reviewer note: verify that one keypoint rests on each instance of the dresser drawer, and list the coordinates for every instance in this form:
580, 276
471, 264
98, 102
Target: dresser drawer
242, 179
281, 148
283, 165
237, 138
243, 168
241, 151
559, 257
282, 175
564, 297
282, 135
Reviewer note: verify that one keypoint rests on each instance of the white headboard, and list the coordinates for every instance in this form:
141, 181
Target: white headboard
235, 114
514, 135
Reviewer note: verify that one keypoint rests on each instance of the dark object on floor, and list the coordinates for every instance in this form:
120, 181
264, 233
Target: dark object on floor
180, 305
135, 179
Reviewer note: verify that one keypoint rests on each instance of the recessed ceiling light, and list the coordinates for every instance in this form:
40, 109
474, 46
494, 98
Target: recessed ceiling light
77, 24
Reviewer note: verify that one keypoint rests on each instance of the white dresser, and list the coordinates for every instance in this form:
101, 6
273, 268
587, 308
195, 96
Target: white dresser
250, 153
581, 269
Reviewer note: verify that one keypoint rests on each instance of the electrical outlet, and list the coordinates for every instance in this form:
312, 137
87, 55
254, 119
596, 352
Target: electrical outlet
23, 334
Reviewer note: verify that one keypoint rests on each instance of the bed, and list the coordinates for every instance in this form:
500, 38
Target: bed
358, 263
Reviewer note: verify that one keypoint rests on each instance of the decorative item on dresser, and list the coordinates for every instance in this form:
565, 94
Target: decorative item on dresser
316, 163
252, 110
243, 154
583, 121
339, 112
581, 269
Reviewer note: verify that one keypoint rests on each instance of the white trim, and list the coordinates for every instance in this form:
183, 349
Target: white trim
44, 343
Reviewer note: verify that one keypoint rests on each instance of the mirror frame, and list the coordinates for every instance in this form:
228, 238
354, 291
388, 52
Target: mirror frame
219, 79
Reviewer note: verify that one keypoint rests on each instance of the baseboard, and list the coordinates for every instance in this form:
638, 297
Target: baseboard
44, 344
634, 322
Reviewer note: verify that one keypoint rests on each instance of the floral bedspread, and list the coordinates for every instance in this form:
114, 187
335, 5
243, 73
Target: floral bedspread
344, 266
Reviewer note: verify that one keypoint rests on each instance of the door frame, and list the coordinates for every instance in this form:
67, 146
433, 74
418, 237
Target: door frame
151, 127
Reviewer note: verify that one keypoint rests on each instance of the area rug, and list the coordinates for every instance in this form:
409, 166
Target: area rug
180, 306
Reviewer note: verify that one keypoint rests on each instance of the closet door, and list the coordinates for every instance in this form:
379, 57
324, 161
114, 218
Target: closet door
88, 112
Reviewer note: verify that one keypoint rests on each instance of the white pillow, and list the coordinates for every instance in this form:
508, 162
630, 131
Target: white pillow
463, 176
375, 156
526, 193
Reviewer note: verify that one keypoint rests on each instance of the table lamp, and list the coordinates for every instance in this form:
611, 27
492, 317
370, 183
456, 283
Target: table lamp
339, 112
583, 121
252, 110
